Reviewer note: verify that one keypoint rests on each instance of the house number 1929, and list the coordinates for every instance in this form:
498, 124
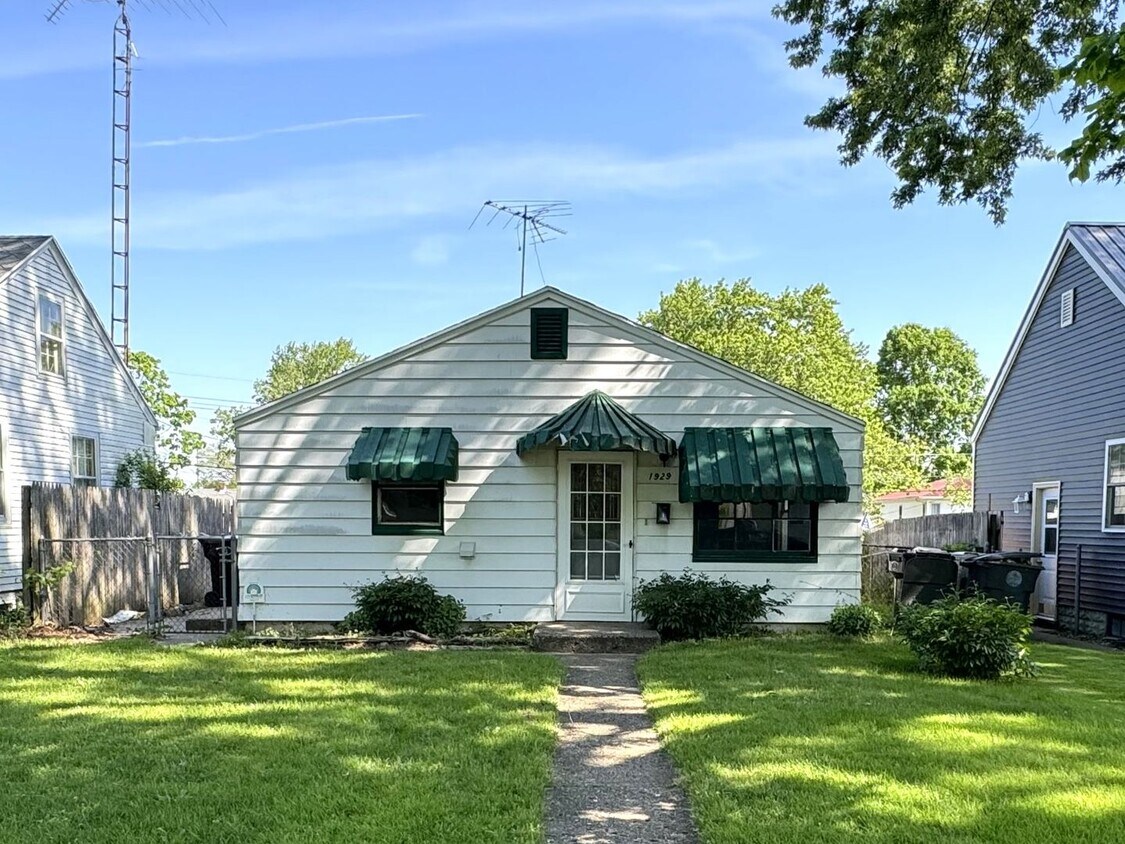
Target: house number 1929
660, 476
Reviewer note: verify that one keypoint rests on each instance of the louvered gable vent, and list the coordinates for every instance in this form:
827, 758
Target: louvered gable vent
1067, 308
549, 330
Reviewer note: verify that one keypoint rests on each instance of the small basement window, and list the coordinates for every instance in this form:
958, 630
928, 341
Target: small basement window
1066, 308
549, 333
764, 531
1114, 486
408, 509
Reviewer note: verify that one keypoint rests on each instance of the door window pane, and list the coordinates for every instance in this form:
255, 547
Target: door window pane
596, 507
597, 477
577, 537
578, 566
1051, 540
594, 563
612, 566
578, 477
595, 514
613, 477
578, 507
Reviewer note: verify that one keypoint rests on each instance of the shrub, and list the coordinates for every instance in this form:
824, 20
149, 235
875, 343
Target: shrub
974, 637
404, 602
692, 606
855, 620
14, 621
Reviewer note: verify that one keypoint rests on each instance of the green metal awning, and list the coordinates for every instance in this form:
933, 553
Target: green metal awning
597, 423
761, 464
404, 454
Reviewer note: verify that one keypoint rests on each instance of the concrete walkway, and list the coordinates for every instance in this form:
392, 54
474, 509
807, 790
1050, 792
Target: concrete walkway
611, 781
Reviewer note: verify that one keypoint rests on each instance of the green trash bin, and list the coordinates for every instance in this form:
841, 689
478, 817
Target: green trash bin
1008, 576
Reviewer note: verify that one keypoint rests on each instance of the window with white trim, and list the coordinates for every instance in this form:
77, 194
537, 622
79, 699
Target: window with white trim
51, 340
1066, 308
84, 462
1114, 485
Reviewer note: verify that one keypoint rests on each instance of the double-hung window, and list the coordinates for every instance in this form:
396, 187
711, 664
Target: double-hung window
1114, 486
408, 508
84, 461
51, 340
754, 531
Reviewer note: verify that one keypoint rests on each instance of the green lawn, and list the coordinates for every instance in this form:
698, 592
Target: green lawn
812, 740
134, 742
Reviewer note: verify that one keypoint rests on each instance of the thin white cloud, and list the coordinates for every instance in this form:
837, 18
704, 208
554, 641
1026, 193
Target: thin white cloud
382, 193
279, 130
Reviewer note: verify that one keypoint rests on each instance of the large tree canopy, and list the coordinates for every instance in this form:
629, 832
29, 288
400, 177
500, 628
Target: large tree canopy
292, 367
948, 92
798, 340
930, 386
175, 442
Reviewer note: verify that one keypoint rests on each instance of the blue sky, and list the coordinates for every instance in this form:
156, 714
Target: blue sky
312, 172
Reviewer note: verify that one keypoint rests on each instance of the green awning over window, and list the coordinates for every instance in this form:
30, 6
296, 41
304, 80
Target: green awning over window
597, 423
761, 464
404, 454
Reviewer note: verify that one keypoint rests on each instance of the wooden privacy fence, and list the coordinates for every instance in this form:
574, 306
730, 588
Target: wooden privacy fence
112, 536
946, 529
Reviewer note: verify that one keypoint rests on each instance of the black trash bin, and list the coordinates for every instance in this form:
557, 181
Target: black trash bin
219, 551
924, 574
1004, 576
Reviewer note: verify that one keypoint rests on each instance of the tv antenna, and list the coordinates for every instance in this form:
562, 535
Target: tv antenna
531, 216
124, 51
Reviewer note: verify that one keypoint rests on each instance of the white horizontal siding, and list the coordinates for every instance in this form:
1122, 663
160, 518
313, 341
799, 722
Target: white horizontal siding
39, 413
305, 531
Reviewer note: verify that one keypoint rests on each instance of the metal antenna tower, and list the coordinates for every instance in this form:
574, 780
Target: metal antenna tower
531, 216
123, 52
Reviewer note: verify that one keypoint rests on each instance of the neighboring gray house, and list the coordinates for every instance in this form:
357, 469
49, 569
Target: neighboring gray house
1050, 442
69, 410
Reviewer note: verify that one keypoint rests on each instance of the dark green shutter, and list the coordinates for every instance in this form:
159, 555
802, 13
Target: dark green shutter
549, 330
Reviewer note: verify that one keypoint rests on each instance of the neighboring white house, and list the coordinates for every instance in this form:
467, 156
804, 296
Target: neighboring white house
69, 410
933, 499
537, 461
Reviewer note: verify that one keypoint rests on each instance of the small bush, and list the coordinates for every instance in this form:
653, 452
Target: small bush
692, 606
14, 621
855, 620
400, 603
974, 637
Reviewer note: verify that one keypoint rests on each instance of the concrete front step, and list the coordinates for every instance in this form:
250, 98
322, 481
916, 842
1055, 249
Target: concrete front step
593, 637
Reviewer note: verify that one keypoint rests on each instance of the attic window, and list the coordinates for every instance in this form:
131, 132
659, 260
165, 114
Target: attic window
1067, 308
549, 333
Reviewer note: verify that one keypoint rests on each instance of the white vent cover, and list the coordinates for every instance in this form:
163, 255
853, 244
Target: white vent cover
1067, 309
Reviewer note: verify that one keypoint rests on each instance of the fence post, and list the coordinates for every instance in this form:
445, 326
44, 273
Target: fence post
152, 571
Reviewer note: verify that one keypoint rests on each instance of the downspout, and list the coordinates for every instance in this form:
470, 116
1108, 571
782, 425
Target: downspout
1077, 589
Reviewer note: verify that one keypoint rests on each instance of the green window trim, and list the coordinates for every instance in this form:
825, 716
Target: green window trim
702, 554
550, 330
381, 528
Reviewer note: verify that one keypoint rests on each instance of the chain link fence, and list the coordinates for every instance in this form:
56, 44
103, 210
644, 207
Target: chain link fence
173, 584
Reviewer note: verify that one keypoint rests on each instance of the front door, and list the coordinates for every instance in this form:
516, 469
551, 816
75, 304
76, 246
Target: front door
595, 566
1047, 527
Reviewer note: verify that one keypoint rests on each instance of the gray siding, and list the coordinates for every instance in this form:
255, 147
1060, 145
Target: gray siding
1063, 398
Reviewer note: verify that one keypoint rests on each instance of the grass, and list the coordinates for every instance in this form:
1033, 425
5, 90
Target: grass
810, 739
132, 741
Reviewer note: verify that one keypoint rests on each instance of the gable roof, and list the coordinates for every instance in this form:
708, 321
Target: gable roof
17, 251
627, 326
934, 489
1102, 246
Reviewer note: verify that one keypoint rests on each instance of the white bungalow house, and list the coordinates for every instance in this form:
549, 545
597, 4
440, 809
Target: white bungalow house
539, 460
69, 410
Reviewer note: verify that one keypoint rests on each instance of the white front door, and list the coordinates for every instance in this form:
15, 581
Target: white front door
595, 566
1047, 544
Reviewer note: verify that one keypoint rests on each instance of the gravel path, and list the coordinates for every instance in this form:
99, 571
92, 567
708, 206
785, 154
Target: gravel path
611, 781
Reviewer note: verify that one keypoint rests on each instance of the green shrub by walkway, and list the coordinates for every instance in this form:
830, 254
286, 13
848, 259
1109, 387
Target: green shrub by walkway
815, 739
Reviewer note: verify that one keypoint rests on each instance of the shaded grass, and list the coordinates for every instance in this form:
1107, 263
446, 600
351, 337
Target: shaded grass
814, 739
131, 741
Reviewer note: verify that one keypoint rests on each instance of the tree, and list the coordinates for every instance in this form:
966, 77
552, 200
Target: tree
948, 93
145, 470
798, 340
292, 366
175, 442
1099, 68
930, 392
297, 365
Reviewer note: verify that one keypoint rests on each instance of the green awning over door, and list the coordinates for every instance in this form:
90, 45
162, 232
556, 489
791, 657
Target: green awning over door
761, 464
404, 454
597, 423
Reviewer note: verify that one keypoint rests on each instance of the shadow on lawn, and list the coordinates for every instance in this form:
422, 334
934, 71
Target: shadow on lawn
111, 742
808, 738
